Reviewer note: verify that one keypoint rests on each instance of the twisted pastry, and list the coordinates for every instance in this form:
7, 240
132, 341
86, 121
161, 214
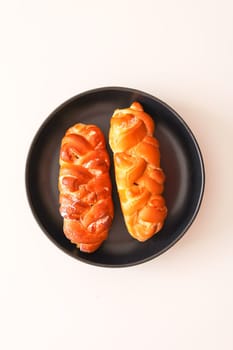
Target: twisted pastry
85, 187
139, 178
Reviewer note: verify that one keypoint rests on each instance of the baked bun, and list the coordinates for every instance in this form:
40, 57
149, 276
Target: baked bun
139, 178
85, 187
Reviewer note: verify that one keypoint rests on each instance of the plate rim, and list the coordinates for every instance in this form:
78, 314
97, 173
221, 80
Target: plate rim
120, 89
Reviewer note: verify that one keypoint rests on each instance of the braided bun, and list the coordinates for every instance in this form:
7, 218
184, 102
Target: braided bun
85, 187
139, 178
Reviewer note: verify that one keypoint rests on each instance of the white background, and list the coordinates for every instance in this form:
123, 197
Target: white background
180, 51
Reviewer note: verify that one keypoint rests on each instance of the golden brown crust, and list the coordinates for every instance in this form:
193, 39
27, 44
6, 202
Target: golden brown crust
85, 187
139, 178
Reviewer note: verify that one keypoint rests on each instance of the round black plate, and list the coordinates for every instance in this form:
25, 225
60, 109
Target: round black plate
180, 158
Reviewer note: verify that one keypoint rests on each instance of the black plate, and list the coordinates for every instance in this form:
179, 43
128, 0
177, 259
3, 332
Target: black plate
180, 158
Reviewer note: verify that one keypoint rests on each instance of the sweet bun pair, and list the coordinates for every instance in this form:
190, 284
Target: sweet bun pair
85, 186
